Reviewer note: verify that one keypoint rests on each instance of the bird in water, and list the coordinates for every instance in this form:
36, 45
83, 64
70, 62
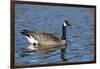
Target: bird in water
44, 38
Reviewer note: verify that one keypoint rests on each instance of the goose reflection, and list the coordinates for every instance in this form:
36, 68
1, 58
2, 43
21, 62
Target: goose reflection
43, 52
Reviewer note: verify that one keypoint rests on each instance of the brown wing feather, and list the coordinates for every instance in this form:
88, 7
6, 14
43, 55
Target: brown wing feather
42, 36
46, 38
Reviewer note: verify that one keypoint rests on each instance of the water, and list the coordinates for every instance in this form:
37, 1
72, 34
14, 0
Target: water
80, 40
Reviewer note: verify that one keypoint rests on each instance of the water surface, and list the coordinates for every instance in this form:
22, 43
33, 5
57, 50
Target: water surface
80, 36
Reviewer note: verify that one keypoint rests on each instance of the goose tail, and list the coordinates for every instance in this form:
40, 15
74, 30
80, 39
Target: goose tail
25, 32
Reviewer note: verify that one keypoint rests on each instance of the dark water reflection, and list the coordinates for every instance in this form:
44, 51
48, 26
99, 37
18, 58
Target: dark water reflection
42, 52
52, 54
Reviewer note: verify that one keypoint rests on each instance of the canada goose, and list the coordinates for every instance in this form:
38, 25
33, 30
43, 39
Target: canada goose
43, 38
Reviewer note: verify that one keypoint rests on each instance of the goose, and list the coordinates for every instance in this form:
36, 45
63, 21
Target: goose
44, 38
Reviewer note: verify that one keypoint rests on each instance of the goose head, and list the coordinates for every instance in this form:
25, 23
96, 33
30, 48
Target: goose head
66, 23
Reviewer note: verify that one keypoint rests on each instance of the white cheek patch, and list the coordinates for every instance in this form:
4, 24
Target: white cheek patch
32, 40
64, 24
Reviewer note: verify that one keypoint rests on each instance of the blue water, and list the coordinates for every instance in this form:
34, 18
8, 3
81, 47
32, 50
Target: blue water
80, 40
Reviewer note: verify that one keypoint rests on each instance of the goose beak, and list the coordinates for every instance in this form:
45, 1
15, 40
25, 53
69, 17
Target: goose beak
69, 24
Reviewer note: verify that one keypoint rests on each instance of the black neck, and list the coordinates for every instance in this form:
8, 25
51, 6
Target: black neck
63, 32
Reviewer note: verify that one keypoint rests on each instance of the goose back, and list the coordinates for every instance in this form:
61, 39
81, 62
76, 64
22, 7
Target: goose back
46, 38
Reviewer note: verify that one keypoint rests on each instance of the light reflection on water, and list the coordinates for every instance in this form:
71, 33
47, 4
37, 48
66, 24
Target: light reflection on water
52, 54
80, 40
40, 53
